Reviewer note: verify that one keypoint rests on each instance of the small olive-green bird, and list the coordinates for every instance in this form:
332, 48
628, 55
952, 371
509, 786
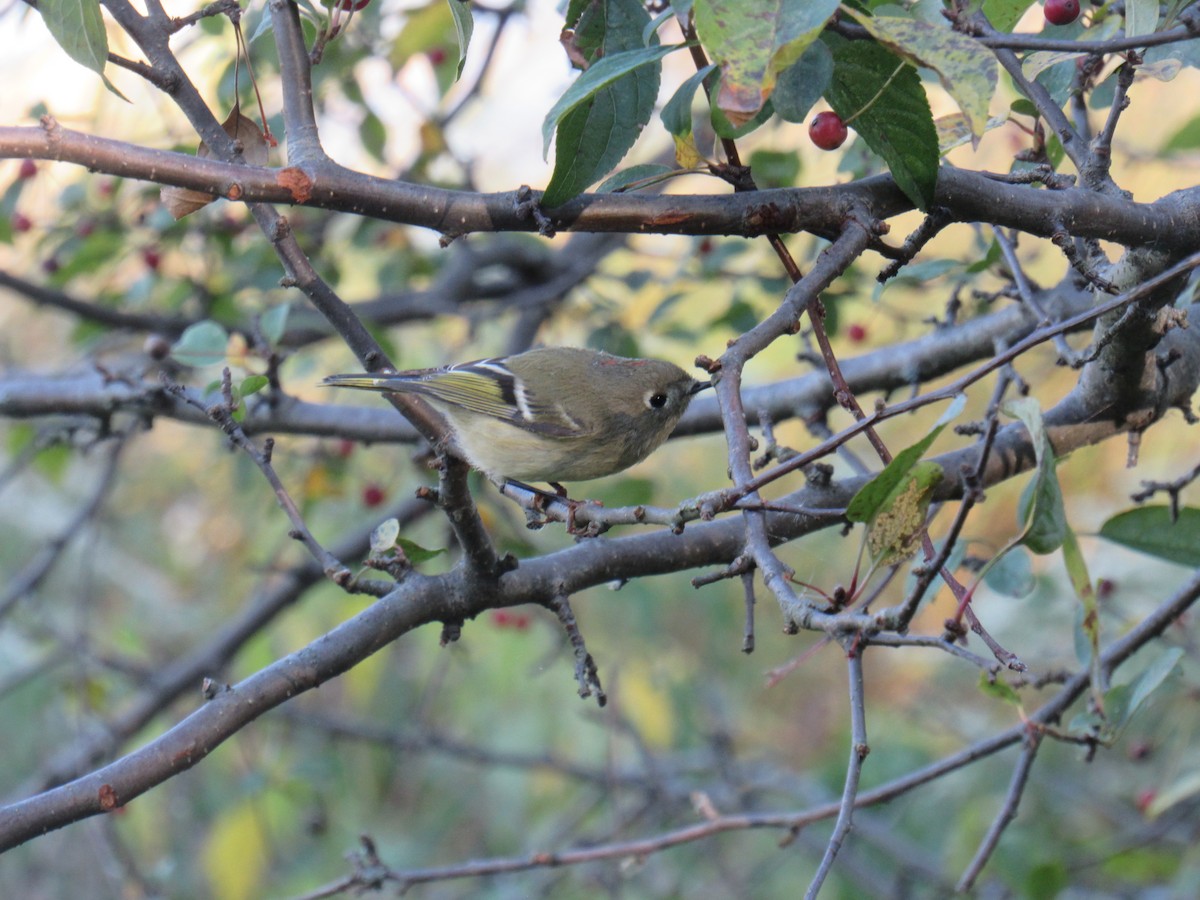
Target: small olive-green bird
553, 414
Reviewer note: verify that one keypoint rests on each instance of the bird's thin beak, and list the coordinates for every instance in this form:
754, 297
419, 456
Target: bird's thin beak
699, 386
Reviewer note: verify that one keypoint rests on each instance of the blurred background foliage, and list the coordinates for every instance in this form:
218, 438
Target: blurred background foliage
482, 748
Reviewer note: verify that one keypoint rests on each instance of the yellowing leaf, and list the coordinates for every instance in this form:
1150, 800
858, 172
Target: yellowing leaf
895, 531
967, 73
648, 707
753, 43
235, 854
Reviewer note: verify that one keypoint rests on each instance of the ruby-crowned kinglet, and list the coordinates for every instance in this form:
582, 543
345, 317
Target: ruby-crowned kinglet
552, 414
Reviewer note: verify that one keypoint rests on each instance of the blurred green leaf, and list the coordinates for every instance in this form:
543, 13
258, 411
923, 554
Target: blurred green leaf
1142, 688
999, 689
464, 27
1040, 510
202, 344
1012, 574
1141, 17
803, 83
273, 323
1150, 529
252, 384
775, 168
1004, 14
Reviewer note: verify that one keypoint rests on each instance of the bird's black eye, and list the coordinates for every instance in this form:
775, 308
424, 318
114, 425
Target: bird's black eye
656, 401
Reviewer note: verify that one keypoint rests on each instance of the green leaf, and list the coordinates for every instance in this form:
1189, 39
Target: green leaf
968, 75
898, 124
1040, 510
202, 344
753, 43
1150, 680
1141, 17
464, 26
1005, 14
1000, 690
1186, 137
1012, 574
872, 495
643, 176
600, 116
252, 384
803, 83
1080, 580
79, 29
273, 323
1149, 529
590, 86
676, 115
415, 552
775, 168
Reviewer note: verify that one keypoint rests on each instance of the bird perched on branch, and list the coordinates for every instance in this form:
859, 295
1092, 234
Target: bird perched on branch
552, 414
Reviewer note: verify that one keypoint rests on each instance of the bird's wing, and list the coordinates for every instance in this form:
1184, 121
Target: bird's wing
489, 388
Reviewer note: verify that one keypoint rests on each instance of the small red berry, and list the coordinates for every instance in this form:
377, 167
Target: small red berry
827, 130
353, 5
344, 448
151, 258
50, 265
706, 247
856, 332
1061, 12
28, 169
1105, 588
437, 56
21, 222
373, 495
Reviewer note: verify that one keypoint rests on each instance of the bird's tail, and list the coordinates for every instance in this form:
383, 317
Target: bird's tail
363, 382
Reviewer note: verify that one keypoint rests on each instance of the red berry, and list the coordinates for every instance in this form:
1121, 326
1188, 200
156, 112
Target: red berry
706, 247
373, 495
344, 448
355, 5
21, 222
151, 258
50, 265
28, 169
857, 333
437, 56
502, 618
1061, 12
827, 130
1105, 588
